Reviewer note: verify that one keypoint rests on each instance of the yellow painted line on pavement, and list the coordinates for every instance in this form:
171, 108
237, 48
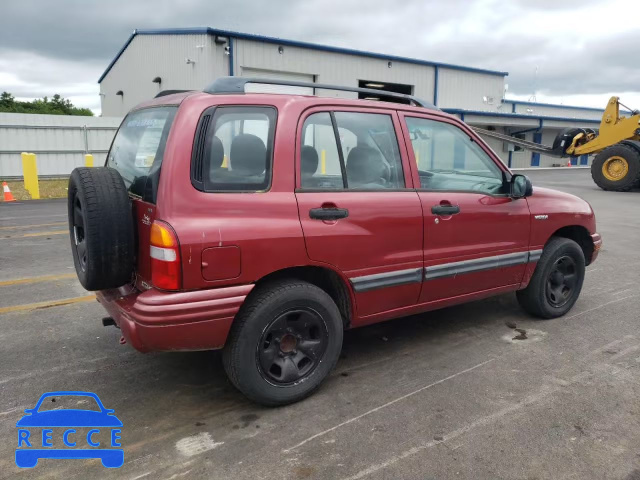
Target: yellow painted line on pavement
16, 227
39, 234
52, 303
43, 278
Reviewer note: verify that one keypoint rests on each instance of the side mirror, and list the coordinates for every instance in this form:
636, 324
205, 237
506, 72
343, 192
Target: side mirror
520, 186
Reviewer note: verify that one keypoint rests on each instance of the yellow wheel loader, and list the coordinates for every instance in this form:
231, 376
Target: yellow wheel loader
617, 145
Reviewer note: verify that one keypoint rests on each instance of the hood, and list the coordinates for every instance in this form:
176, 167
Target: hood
553, 200
562, 209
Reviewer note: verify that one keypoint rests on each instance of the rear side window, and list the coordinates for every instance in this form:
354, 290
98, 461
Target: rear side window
138, 147
233, 149
349, 151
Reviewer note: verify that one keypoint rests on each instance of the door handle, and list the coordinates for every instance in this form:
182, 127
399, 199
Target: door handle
445, 209
328, 213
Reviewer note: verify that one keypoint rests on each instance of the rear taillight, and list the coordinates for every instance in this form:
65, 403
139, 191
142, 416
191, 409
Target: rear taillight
165, 257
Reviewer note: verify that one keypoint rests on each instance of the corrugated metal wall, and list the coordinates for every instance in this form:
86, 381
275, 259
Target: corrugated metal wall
333, 68
59, 141
164, 56
469, 90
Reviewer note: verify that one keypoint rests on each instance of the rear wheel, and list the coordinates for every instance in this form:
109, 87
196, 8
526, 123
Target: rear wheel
557, 280
616, 168
284, 342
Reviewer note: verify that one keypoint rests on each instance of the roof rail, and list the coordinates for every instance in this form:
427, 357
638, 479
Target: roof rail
164, 93
237, 84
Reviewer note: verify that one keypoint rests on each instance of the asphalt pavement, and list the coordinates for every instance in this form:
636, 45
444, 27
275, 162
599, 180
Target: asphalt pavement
444, 395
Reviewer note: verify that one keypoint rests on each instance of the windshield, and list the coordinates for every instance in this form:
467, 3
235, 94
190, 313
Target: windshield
137, 150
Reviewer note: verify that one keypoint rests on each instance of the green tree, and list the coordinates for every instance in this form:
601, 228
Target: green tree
7, 102
58, 105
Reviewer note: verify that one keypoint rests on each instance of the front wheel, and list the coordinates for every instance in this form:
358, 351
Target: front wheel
557, 280
616, 168
284, 342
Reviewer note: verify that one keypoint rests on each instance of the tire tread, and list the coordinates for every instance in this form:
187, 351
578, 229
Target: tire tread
231, 355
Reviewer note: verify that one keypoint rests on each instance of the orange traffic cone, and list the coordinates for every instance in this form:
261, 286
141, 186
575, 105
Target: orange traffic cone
569, 163
8, 196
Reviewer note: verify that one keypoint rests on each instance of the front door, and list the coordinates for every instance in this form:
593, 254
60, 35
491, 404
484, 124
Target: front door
476, 237
358, 210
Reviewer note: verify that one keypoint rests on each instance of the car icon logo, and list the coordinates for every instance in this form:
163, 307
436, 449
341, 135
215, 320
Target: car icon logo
69, 433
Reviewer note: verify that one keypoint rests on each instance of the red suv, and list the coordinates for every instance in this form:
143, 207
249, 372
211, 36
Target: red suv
266, 224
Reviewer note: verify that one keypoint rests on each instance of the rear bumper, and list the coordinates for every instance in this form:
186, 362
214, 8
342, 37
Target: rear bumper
165, 321
597, 245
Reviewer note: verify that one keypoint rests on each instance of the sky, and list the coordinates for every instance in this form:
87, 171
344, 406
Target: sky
571, 52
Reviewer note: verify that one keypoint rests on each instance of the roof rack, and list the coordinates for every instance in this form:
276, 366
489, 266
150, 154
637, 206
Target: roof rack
164, 93
237, 85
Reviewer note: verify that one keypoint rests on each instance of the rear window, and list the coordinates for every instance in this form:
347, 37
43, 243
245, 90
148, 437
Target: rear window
137, 150
233, 149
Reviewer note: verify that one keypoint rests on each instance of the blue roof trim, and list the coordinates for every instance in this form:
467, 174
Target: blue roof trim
115, 59
459, 111
555, 105
291, 43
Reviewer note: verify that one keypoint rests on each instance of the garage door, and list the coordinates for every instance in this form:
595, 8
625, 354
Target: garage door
286, 76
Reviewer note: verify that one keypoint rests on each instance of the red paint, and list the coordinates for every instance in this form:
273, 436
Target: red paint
230, 241
221, 263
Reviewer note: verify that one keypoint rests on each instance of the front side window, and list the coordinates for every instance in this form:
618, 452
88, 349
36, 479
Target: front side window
448, 159
238, 149
350, 150
138, 148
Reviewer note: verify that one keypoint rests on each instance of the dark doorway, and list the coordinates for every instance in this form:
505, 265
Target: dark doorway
384, 87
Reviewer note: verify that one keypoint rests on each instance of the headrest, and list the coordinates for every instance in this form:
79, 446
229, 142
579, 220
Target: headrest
216, 155
248, 154
365, 165
308, 160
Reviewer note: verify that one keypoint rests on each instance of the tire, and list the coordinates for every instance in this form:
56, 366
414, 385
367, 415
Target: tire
101, 228
618, 153
258, 358
538, 298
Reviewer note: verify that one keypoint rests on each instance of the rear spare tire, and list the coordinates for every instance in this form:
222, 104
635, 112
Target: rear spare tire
616, 168
100, 228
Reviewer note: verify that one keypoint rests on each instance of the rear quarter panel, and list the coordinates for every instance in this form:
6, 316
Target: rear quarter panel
263, 225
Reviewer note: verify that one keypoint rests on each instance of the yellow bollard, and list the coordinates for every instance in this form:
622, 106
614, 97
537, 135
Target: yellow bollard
30, 173
323, 162
224, 162
88, 160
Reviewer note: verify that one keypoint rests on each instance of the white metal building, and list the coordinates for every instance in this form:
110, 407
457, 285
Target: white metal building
192, 58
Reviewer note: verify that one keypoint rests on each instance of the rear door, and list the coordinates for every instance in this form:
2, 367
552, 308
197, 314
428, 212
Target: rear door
476, 237
136, 153
358, 210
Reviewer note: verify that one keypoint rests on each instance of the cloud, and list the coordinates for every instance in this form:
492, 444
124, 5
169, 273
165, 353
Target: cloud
63, 46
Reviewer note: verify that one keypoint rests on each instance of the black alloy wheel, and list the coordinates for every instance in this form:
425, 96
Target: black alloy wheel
557, 279
561, 281
284, 342
292, 346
